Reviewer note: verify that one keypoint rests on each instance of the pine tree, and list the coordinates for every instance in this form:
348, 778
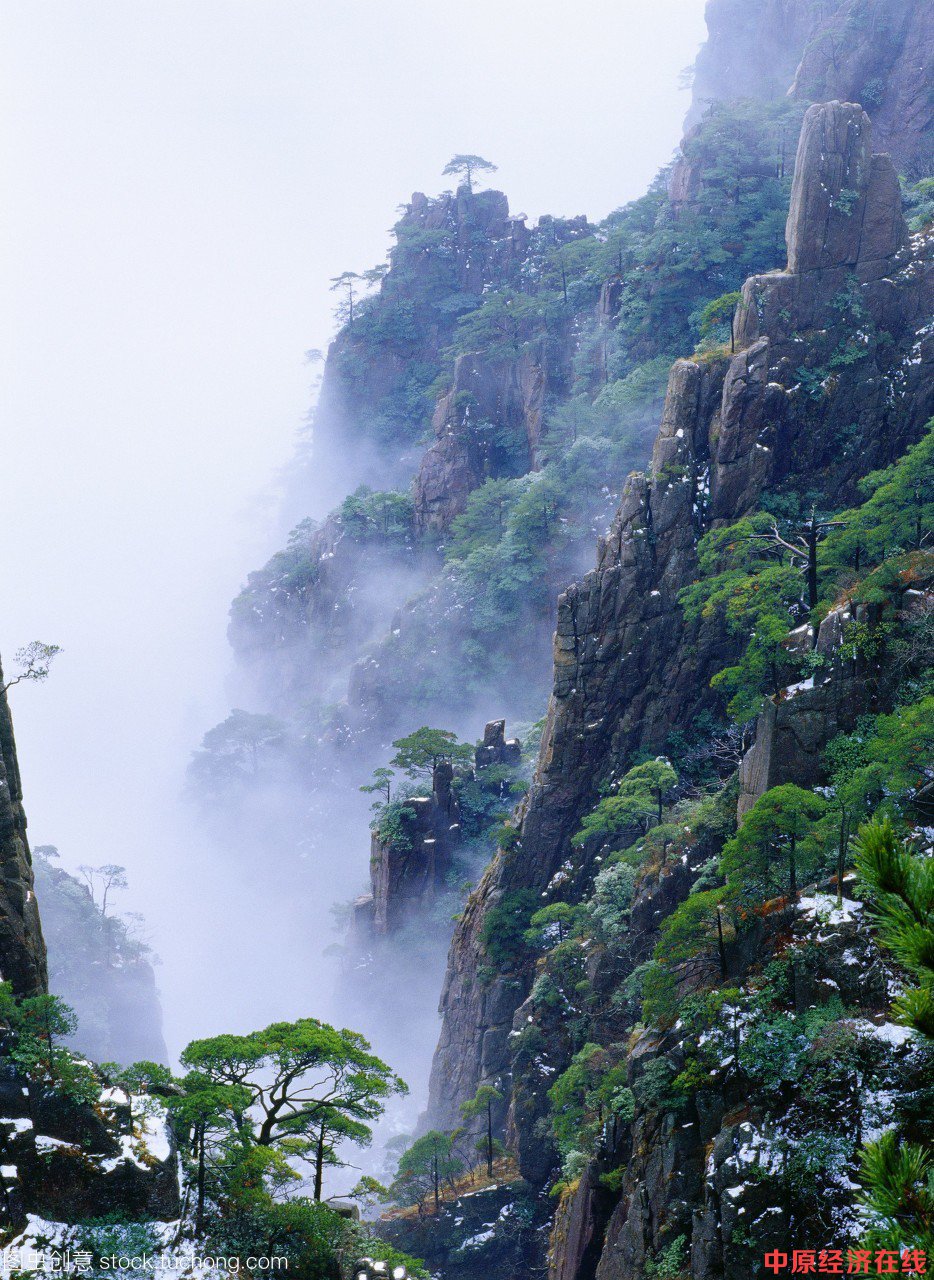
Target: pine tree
899, 1176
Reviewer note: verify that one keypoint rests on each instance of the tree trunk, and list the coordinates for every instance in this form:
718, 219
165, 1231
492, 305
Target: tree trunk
199, 1214
435, 1176
812, 566
841, 855
319, 1163
489, 1139
792, 871
720, 947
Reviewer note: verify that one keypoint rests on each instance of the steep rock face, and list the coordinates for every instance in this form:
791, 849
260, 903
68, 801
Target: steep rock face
752, 51
409, 868
706, 1170
300, 620
452, 246
101, 970
879, 53
488, 425
493, 1232
793, 729
876, 52
70, 1161
575, 1242
22, 949
317, 626
627, 668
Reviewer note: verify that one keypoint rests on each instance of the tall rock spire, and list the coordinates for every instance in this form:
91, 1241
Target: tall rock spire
22, 949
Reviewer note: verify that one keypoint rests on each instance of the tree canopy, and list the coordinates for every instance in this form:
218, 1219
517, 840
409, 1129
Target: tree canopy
303, 1087
464, 165
419, 753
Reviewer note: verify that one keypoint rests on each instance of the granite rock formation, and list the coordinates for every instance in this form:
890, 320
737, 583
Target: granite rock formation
408, 869
68, 1161
875, 52
626, 667
22, 949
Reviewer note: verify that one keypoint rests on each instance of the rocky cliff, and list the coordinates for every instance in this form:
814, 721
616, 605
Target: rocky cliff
100, 968
875, 52
66, 1161
831, 378
22, 950
410, 866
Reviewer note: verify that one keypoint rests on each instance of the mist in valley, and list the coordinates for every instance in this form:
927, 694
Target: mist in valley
183, 183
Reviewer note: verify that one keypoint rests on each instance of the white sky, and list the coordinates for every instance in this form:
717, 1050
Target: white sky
179, 180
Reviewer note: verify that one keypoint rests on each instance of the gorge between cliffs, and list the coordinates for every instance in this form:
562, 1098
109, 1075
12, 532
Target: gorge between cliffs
566, 833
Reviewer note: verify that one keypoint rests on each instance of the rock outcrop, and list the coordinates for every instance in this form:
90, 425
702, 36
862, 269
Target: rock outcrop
408, 868
67, 1161
626, 666
493, 1232
487, 426
100, 969
496, 748
452, 246
875, 52
22, 949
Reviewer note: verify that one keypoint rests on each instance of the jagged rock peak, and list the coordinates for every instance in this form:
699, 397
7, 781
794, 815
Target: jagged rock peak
845, 202
876, 52
628, 667
22, 949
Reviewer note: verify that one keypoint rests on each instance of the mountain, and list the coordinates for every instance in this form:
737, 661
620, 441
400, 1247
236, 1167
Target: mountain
22, 948
633, 676
686, 1019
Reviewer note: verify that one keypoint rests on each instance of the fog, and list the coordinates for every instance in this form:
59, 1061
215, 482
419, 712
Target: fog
181, 179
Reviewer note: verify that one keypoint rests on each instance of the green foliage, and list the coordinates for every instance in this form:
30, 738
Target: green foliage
505, 926
394, 824
716, 318
653, 1089
899, 1177
311, 1236
425, 1168
698, 928
487, 797
481, 1106
552, 924
419, 753
34, 661
753, 595
380, 785
111, 1235
776, 847
897, 516
590, 1094
669, 1263
610, 903
483, 522
881, 764
504, 325
919, 202
35, 1025
466, 166
900, 885
291, 1092
677, 259
386, 517
636, 801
